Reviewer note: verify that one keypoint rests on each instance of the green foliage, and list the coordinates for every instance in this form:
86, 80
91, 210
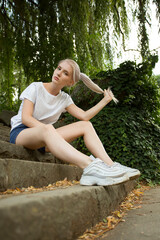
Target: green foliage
36, 34
130, 130
158, 79
143, 36
6, 67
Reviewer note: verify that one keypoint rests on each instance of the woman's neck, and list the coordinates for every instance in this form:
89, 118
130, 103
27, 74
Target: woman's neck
51, 88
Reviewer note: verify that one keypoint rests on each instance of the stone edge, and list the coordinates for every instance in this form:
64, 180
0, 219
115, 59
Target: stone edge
60, 214
22, 173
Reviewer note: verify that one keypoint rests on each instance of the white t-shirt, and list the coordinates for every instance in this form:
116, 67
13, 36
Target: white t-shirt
47, 107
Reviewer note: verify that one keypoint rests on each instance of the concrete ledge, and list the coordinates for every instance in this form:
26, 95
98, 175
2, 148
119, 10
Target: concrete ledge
59, 214
8, 150
20, 173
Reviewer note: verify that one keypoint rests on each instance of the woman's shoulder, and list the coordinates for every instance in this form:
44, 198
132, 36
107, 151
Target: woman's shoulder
64, 94
32, 87
35, 84
66, 98
30, 92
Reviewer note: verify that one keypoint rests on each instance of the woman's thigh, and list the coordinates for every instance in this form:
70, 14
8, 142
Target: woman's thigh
74, 130
31, 138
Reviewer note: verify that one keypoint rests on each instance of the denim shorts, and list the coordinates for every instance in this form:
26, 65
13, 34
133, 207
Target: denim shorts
14, 133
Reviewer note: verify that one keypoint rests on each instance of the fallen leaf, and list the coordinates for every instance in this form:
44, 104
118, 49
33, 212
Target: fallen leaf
111, 221
59, 184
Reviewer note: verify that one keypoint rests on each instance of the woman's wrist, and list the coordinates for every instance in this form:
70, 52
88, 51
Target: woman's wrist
106, 100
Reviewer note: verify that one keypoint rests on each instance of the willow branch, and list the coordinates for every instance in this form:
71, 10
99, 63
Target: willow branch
119, 26
5, 16
134, 50
35, 4
155, 49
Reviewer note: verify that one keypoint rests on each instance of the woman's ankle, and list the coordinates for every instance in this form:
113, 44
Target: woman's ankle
85, 163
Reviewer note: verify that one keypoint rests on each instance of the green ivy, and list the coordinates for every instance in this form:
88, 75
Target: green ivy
129, 130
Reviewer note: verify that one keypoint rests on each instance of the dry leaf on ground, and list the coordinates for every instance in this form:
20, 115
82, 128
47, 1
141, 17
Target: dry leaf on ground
59, 184
111, 221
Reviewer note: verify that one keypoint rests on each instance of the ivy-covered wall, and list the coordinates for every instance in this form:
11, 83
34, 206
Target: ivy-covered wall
130, 130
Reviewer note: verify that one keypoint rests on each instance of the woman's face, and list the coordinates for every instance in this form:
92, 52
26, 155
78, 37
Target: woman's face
63, 74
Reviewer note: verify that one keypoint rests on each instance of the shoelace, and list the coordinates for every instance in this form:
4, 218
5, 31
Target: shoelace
108, 167
115, 166
100, 162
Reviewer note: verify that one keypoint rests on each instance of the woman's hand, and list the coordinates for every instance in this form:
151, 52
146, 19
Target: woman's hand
109, 96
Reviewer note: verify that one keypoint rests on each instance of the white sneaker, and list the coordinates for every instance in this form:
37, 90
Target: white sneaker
95, 174
114, 172
132, 172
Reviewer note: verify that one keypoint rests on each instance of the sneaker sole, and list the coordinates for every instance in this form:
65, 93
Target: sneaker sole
133, 176
90, 181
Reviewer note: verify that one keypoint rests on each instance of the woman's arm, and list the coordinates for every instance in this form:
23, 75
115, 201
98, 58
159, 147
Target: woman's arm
87, 115
27, 112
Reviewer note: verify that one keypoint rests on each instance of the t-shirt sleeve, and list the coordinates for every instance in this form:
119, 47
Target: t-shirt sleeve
69, 101
29, 93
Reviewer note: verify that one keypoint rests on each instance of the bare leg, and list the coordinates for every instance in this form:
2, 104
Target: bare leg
92, 141
46, 135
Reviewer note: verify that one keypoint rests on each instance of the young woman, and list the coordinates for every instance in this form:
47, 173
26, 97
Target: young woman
42, 105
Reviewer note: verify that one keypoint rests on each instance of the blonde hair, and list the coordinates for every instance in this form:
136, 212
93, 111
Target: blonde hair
77, 75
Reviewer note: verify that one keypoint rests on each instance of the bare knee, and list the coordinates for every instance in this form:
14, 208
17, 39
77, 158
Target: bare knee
47, 129
86, 125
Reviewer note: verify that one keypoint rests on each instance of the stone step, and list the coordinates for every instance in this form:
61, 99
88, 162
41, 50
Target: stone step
4, 132
58, 214
21, 173
8, 150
